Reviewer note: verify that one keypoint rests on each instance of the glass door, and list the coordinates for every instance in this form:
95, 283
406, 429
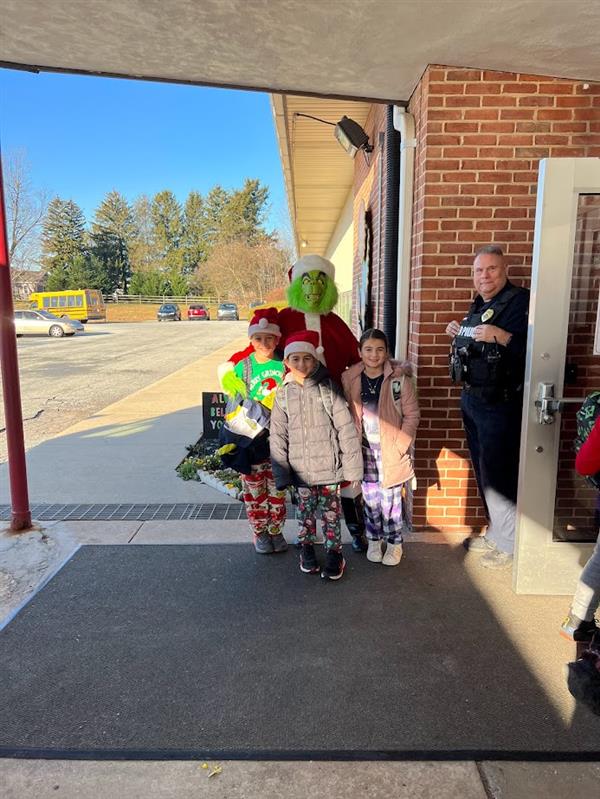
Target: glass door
557, 516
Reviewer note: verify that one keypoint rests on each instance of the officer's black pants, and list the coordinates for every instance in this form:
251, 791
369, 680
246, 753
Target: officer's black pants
493, 435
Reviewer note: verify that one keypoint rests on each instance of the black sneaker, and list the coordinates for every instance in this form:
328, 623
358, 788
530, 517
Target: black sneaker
263, 544
359, 543
578, 630
334, 565
308, 559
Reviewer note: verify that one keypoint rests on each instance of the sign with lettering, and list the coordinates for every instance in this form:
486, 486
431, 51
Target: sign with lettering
213, 413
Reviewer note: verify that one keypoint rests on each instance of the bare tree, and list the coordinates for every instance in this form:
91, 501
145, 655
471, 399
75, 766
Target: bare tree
242, 272
25, 210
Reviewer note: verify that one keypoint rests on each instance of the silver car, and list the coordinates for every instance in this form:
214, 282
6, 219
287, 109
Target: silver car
42, 323
228, 310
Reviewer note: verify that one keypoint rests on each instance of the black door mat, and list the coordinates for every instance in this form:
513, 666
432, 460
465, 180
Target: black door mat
165, 652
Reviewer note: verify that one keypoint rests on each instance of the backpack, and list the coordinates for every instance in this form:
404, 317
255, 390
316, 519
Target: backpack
586, 418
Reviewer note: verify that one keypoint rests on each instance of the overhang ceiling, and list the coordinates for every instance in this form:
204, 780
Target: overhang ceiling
318, 172
347, 48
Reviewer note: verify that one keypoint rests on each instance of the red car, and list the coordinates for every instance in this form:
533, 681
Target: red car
197, 311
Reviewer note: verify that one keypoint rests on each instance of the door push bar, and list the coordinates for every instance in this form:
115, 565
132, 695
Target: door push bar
548, 405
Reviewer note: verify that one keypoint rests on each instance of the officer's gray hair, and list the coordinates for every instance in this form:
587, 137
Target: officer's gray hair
490, 249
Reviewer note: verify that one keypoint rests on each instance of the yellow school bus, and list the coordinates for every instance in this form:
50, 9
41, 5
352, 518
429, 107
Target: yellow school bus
82, 304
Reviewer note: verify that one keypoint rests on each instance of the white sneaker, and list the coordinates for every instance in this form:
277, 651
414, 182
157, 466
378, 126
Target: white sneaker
374, 552
393, 555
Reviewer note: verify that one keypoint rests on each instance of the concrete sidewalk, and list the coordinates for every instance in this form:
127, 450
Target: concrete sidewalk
529, 622
128, 451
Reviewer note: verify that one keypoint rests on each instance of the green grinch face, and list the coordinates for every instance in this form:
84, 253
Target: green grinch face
313, 288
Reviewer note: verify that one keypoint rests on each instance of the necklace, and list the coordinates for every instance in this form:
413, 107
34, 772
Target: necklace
373, 384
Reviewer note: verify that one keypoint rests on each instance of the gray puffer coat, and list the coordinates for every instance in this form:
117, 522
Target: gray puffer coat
313, 437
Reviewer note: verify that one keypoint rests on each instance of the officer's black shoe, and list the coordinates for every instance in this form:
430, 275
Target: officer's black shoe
359, 543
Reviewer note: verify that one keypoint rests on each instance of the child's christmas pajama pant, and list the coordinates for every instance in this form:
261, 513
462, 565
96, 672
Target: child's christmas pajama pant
265, 505
327, 499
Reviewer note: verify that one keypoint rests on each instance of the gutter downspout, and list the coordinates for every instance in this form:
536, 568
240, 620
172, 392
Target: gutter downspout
404, 123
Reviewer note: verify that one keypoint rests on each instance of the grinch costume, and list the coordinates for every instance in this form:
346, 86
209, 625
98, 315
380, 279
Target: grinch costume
311, 295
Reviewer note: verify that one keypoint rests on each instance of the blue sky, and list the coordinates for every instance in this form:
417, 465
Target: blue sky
84, 136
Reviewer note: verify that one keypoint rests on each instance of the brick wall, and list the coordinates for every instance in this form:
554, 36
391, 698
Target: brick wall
480, 135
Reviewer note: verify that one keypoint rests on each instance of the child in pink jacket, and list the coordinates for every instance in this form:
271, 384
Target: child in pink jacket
384, 406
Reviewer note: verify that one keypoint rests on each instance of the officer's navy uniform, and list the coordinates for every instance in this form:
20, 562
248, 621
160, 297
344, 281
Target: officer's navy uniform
491, 403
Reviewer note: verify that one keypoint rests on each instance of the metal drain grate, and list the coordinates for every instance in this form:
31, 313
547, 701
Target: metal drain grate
137, 512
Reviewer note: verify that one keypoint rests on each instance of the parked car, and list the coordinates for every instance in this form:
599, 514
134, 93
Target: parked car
227, 310
79, 328
42, 323
169, 311
198, 312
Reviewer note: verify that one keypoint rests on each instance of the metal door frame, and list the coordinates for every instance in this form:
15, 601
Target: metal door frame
544, 566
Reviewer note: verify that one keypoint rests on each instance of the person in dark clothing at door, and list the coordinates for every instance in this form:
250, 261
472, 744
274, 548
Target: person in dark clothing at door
488, 358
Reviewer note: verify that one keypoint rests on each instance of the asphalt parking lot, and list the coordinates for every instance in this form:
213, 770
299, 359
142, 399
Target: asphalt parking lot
68, 379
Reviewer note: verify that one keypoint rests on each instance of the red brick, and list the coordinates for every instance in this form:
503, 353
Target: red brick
481, 113
513, 164
456, 224
479, 139
492, 224
494, 177
457, 177
441, 164
475, 213
569, 152
536, 100
510, 213
463, 74
497, 127
525, 177
515, 113
573, 102
463, 101
593, 88
587, 114
442, 139
496, 152
533, 127
530, 78
554, 113
495, 75
494, 201
446, 88
441, 189
444, 113
518, 88
438, 213
478, 163
531, 152
497, 101
570, 127
461, 127
516, 140
461, 152
434, 73
483, 88
587, 139
457, 201
556, 88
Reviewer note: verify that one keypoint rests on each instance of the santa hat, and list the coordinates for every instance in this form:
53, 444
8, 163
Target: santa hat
311, 263
264, 321
304, 341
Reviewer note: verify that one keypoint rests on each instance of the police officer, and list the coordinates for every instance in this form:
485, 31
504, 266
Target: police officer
488, 358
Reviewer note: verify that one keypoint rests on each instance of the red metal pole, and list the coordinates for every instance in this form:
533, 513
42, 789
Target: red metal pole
17, 469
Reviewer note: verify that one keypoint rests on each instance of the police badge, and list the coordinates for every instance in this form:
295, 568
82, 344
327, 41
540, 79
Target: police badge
487, 315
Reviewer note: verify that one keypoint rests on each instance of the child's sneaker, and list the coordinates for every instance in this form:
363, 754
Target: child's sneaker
279, 543
308, 559
374, 553
393, 555
334, 565
579, 630
263, 544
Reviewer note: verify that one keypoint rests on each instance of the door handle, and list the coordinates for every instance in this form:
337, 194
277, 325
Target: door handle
548, 405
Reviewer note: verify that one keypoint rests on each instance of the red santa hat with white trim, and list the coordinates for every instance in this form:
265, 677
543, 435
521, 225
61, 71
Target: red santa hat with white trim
311, 263
304, 341
265, 320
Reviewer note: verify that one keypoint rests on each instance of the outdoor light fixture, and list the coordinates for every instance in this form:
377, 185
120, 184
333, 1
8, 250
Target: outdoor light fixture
349, 134
304, 243
352, 137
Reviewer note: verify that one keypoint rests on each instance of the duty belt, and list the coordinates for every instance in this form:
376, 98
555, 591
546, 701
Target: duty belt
492, 393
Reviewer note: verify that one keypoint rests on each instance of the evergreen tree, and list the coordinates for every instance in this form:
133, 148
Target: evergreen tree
63, 238
88, 272
194, 244
113, 232
167, 231
243, 215
143, 256
150, 283
214, 206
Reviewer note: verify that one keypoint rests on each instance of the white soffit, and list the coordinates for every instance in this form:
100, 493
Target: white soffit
318, 172
346, 48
